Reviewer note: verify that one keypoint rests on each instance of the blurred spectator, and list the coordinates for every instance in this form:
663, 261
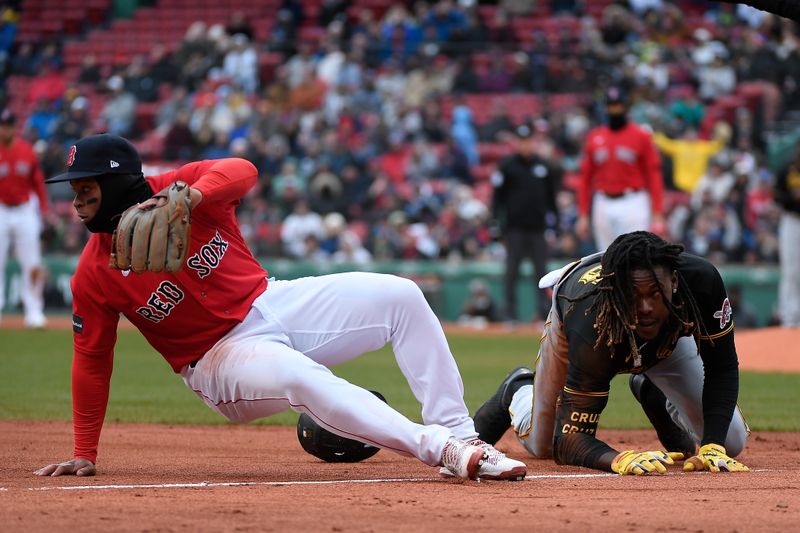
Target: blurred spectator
688, 109
8, 31
177, 101
744, 314
220, 147
139, 82
42, 121
25, 61
331, 10
73, 123
433, 126
499, 122
160, 66
351, 250
195, 42
90, 70
120, 110
479, 309
297, 65
464, 134
454, 164
690, 154
308, 95
714, 186
312, 251
241, 64
179, 142
239, 23
717, 78
444, 19
282, 35
497, 78
301, 223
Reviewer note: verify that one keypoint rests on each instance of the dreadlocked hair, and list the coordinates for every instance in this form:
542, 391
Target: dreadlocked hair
613, 294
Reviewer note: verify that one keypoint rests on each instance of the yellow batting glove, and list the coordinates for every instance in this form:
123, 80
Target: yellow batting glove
639, 463
713, 457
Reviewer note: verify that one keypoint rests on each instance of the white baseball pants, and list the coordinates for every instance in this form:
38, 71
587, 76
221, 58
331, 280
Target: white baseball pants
789, 286
20, 225
278, 358
611, 217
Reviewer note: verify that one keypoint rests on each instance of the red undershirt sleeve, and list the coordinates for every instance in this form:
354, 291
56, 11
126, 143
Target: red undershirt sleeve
226, 180
94, 336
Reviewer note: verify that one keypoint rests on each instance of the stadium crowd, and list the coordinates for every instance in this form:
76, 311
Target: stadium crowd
376, 139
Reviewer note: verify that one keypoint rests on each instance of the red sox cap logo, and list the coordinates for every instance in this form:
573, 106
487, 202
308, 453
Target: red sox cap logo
71, 156
724, 314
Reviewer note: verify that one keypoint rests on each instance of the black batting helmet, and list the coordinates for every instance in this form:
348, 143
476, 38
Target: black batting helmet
330, 447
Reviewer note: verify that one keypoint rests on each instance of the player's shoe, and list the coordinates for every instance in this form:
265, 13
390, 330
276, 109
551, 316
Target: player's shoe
492, 419
462, 459
654, 403
496, 466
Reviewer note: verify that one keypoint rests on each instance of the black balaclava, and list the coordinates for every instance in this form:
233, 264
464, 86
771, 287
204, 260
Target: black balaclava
617, 121
119, 192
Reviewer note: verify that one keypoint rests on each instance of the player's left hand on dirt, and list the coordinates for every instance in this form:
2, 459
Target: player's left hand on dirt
76, 467
639, 463
154, 236
714, 458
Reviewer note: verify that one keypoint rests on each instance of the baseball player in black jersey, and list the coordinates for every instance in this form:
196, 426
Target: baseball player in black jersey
643, 307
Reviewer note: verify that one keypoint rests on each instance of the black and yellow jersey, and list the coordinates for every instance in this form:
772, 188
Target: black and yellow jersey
590, 370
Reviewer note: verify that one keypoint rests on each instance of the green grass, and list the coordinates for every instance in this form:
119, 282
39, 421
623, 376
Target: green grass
35, 371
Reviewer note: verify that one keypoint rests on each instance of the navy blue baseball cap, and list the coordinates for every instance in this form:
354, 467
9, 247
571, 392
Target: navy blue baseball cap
99, 155
7, 117
615, 95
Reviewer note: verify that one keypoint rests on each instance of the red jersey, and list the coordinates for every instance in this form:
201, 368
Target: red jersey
20, 175
183, 314
616, 161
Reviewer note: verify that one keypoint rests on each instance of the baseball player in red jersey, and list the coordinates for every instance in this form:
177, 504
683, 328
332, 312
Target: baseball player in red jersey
620, 178
23, 202
249, 347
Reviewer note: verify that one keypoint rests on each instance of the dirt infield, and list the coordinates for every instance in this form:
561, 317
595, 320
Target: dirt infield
257, 478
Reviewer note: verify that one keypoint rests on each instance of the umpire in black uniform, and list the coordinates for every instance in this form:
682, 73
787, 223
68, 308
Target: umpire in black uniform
525, 186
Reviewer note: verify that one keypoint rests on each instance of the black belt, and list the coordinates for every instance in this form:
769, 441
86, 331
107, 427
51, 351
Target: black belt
615, 195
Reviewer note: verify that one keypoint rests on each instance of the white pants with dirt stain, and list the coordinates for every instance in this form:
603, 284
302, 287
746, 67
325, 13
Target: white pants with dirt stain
278, 359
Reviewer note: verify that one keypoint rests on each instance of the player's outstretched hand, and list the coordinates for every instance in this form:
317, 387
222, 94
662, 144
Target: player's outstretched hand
713, 457
639, 463
77, 467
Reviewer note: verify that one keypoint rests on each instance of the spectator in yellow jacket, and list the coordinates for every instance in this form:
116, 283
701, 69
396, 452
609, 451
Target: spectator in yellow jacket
690, 154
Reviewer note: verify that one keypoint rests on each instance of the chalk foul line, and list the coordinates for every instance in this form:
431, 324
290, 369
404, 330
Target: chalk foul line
212, 484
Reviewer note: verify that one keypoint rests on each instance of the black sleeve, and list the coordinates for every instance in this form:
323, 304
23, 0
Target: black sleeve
784, 8
583, 399
718, 352
574, 440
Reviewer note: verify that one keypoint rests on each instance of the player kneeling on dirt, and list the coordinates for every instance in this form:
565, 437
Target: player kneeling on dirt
249, 347
643, 307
